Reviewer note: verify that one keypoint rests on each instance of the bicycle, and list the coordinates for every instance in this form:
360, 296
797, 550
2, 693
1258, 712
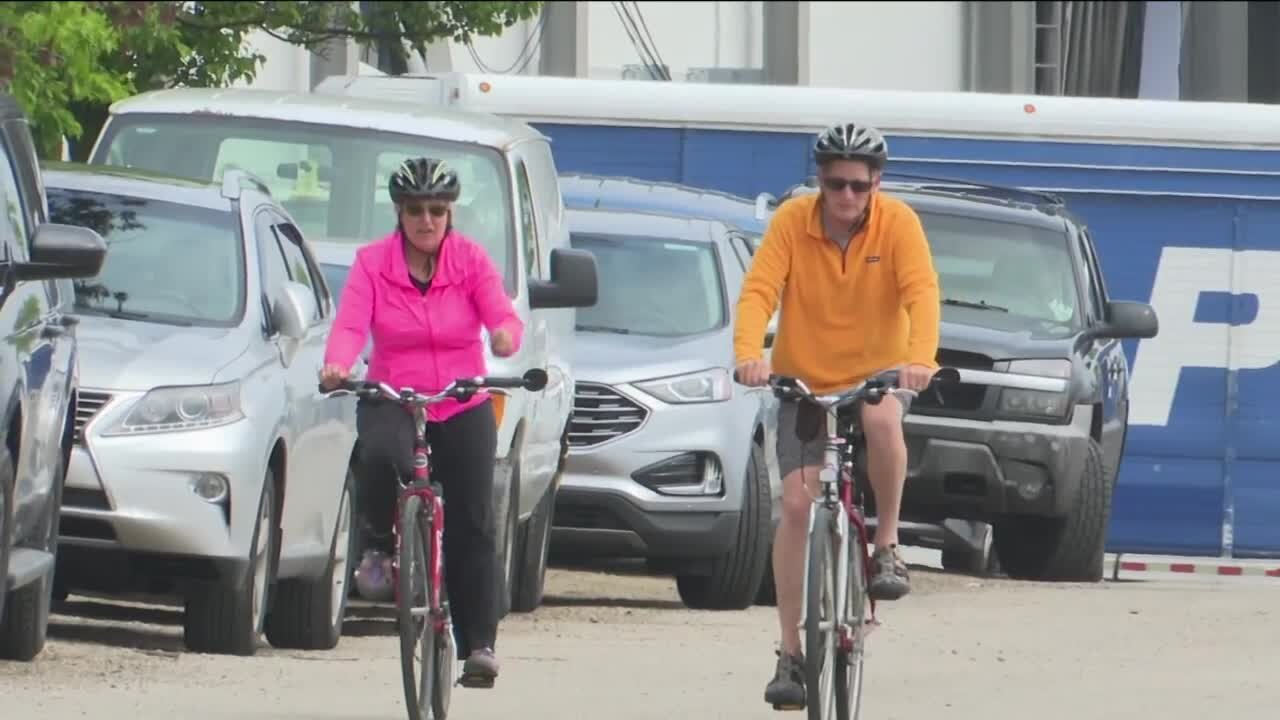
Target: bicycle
837, 646
420, 519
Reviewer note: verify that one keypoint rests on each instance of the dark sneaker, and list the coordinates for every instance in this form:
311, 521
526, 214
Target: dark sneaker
786, 690
891, 580
480, 669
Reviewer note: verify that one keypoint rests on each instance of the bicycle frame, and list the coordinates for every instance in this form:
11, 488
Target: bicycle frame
433, 505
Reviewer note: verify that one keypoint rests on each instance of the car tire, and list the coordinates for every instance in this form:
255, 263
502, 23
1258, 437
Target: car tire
219, 618
307, 614
510, 535
7, 486
735, 577
1068, 549
25, 624
530, 573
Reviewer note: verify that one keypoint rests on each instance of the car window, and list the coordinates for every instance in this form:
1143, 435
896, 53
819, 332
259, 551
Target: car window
1096, 282
692, 297
528, 223
13, 222
335, 276
300, 269
166, 262
332, 179
1025, 269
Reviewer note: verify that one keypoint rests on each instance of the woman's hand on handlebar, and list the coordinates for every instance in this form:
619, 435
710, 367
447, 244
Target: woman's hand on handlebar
333, 375
753, 373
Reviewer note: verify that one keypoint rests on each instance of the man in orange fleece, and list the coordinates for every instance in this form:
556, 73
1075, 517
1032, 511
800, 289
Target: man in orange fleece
859, 293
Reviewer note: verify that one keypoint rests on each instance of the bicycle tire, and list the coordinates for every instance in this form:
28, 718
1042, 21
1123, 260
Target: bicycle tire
412, 558
446, 655
819, 644
849, 666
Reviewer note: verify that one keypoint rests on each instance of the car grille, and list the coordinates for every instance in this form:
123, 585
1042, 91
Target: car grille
88, 403
600, 413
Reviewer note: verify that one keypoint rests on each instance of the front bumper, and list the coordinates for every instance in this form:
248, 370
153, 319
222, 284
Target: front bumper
137, 494
977, 470
648, 479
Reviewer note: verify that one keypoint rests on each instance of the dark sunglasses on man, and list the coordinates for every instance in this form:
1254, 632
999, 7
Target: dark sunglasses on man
836, 184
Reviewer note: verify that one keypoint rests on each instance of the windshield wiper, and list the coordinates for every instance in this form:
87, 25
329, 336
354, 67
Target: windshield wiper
132, 315
974, 305
604, 328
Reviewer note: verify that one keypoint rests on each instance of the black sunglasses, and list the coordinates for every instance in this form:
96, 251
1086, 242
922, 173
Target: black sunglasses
835, 184
416, 209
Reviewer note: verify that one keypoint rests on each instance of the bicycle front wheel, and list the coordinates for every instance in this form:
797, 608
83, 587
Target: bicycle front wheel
820, 618
853, 613
413, 603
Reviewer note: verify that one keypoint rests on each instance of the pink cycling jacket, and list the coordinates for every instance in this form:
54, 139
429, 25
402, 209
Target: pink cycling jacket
423, 341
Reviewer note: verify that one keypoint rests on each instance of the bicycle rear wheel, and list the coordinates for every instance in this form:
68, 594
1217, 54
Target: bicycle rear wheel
819, 623
446, 654
853, 613
413, 601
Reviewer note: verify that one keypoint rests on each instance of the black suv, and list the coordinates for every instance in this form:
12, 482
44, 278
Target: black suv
1025, 305
38, 382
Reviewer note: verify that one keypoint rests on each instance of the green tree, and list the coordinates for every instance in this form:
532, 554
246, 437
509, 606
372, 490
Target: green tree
89, 54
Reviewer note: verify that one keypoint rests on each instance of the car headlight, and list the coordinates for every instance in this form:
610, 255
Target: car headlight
192, 407
704, 386
1016, 401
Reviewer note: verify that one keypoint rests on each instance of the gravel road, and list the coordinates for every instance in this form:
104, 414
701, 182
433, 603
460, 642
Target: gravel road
622, 647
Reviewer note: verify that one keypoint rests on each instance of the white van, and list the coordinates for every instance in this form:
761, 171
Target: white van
326, 160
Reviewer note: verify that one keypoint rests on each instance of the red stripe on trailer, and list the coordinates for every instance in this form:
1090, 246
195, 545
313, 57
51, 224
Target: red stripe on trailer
1192, 569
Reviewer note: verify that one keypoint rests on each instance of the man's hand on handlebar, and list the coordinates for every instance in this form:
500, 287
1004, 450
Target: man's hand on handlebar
753, 373
333, 375
915, 377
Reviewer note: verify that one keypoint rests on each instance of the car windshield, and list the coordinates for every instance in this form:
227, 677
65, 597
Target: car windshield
1021, 270
165, 263
331, 179
655, 286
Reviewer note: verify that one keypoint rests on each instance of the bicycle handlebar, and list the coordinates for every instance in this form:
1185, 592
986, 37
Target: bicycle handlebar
461, 389
871, 390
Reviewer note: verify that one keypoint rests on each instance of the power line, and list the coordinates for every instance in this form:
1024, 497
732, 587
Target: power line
647, 57
652, 44
531, 46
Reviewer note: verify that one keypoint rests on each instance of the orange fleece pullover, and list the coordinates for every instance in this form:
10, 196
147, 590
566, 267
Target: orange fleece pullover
846, 315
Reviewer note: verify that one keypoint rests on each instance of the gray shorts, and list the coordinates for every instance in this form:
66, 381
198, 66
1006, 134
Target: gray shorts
794, 453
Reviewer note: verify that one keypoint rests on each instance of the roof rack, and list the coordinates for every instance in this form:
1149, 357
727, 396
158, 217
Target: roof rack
234, 178
968, 185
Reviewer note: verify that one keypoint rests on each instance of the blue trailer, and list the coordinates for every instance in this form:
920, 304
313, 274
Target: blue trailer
1183, 200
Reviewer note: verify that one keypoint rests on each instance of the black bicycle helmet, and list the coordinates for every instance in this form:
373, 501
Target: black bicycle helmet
424, 179
851, 141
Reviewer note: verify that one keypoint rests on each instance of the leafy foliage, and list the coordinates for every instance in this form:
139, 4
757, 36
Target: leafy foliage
65, 62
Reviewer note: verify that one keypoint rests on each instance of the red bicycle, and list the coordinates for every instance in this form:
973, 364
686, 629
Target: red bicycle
837, 613
421, 597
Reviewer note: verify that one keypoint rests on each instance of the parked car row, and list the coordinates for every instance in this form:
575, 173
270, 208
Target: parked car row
170, 320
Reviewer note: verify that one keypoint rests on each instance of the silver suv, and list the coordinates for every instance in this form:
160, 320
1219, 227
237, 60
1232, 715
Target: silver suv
205, 463
669, 460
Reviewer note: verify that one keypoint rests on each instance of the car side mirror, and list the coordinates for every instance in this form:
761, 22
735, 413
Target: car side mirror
1127, 319
573, 281
291, 313
63, 252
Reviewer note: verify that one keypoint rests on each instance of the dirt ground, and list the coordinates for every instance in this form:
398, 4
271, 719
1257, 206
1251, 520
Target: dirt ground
622, 647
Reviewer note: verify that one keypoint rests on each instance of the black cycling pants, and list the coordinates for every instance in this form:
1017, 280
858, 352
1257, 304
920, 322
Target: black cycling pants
462, 461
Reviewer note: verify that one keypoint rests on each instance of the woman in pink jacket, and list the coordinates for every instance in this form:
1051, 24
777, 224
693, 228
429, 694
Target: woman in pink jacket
424, 292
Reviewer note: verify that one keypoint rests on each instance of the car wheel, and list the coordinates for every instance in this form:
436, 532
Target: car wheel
307, 613
1069, 549
535, 546
734, 581
25, 624
226, 617
6, 521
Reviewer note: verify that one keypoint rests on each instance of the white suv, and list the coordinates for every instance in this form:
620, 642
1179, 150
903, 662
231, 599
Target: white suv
327, 160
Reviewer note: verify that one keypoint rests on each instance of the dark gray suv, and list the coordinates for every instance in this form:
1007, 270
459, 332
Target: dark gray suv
1023, 295
38, 382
